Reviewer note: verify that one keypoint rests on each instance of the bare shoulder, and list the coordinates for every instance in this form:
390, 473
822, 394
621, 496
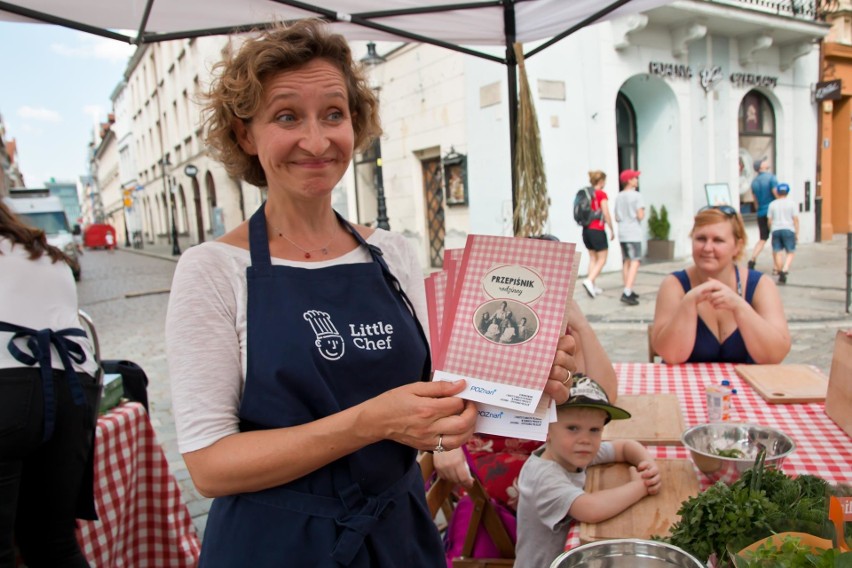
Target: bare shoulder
237, 237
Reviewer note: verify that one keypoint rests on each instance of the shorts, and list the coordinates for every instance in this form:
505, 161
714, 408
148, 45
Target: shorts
595, 239
631, 251
783, 239
763, 226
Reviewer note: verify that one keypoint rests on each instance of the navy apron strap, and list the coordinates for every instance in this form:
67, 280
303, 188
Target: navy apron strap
259, 241
38, 343
378, 258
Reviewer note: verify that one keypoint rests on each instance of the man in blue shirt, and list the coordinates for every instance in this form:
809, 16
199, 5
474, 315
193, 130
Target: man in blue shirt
763, 187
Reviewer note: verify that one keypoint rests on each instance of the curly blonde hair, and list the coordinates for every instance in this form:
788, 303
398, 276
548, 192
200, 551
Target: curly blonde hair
236, 92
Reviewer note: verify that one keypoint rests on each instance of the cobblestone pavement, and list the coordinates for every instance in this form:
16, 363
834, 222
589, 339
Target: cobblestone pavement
126, 293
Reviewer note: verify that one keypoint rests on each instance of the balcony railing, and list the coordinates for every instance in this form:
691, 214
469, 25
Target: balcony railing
815, 10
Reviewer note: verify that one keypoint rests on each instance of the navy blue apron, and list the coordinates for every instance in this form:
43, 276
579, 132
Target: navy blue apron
320, 341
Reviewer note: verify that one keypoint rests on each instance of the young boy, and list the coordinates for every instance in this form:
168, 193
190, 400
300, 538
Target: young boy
552, 479
783, 217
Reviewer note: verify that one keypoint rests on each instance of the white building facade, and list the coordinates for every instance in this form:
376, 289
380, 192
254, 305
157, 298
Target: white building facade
690, 94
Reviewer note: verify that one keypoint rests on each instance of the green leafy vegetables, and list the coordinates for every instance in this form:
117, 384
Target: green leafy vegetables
762, 502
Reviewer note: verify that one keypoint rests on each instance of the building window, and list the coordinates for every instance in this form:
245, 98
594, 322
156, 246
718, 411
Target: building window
756, 125
625, 127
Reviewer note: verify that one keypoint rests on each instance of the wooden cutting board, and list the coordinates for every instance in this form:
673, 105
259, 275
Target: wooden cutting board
653, 515
779, 384
838, 403
656, 419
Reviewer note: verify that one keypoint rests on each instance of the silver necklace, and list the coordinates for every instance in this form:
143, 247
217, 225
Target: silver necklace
323, 250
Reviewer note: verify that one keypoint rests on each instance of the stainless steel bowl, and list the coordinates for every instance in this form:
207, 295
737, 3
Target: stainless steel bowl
705, 441
626, 553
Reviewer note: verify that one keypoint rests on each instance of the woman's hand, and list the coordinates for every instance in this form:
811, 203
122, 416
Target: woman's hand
718, 295
564, 366
452, 466
422, 415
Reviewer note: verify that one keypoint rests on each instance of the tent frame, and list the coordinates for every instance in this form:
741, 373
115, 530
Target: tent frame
366, 20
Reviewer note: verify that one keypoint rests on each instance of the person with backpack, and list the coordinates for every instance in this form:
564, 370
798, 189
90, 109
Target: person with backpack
594, 218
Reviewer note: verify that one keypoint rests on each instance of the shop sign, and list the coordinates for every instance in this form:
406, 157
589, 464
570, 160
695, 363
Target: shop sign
709, 77
750, 79
828, 90
670, 70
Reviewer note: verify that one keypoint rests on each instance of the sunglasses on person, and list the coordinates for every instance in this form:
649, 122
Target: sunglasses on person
726, 209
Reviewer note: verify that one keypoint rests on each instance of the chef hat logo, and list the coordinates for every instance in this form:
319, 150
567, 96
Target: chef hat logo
328, 340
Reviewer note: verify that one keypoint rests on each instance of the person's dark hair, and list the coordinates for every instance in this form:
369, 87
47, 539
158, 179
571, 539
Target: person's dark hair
236, 92
32, 239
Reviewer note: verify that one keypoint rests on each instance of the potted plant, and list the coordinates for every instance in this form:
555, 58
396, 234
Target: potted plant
659, 245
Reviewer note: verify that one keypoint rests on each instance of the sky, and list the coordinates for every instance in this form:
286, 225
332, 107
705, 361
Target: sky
55, 86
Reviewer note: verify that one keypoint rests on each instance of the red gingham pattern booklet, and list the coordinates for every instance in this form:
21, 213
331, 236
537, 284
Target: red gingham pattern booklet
506, 319
436, 288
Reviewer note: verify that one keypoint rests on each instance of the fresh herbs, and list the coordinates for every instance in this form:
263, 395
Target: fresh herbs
791, 553
762, 502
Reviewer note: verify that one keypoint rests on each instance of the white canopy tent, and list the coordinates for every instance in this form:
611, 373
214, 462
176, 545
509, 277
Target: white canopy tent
457, 25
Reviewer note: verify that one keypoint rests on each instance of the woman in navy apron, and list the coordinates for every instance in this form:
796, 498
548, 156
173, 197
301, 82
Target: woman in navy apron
299, 367
716, 311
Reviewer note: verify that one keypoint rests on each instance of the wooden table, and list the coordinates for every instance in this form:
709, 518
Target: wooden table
143, 520
822, 448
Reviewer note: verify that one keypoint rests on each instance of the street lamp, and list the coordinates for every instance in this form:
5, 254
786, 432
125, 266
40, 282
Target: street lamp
170, 191
372, 60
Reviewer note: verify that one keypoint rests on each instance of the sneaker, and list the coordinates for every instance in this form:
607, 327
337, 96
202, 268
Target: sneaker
751, 265
629, 300
634, 295
782, 277
590, 288
598, 291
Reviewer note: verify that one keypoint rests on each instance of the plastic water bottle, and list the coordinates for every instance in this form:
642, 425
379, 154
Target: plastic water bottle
715, 401
719, 401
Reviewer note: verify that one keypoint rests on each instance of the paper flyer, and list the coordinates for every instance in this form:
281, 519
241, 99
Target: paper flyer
500, 334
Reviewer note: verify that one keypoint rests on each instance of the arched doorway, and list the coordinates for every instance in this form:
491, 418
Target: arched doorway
756, 128
625, 129
647, 135
199, 217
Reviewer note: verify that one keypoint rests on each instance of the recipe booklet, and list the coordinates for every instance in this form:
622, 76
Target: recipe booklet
504, 318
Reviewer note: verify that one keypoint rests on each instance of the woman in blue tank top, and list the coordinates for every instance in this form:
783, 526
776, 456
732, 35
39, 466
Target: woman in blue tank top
715, 310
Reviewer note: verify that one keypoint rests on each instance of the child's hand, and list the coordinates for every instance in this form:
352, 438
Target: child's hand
650, 475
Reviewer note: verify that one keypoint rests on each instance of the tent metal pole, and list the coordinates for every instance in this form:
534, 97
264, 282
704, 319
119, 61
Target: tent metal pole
56, 20
512, 85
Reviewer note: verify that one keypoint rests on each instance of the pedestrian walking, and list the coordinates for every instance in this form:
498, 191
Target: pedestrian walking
594, 235
629, 212
763, 188
783, 217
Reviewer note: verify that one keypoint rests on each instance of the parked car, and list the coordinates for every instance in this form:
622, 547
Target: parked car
46, 212
95, 236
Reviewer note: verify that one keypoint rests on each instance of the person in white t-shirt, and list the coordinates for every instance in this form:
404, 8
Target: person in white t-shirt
783, 217
48, 402
629, 212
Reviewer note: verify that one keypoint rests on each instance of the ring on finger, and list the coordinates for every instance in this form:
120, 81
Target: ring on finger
440, 447
565, 382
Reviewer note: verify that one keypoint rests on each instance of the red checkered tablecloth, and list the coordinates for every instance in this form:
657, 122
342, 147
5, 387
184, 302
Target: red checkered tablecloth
143, 521
822, 448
